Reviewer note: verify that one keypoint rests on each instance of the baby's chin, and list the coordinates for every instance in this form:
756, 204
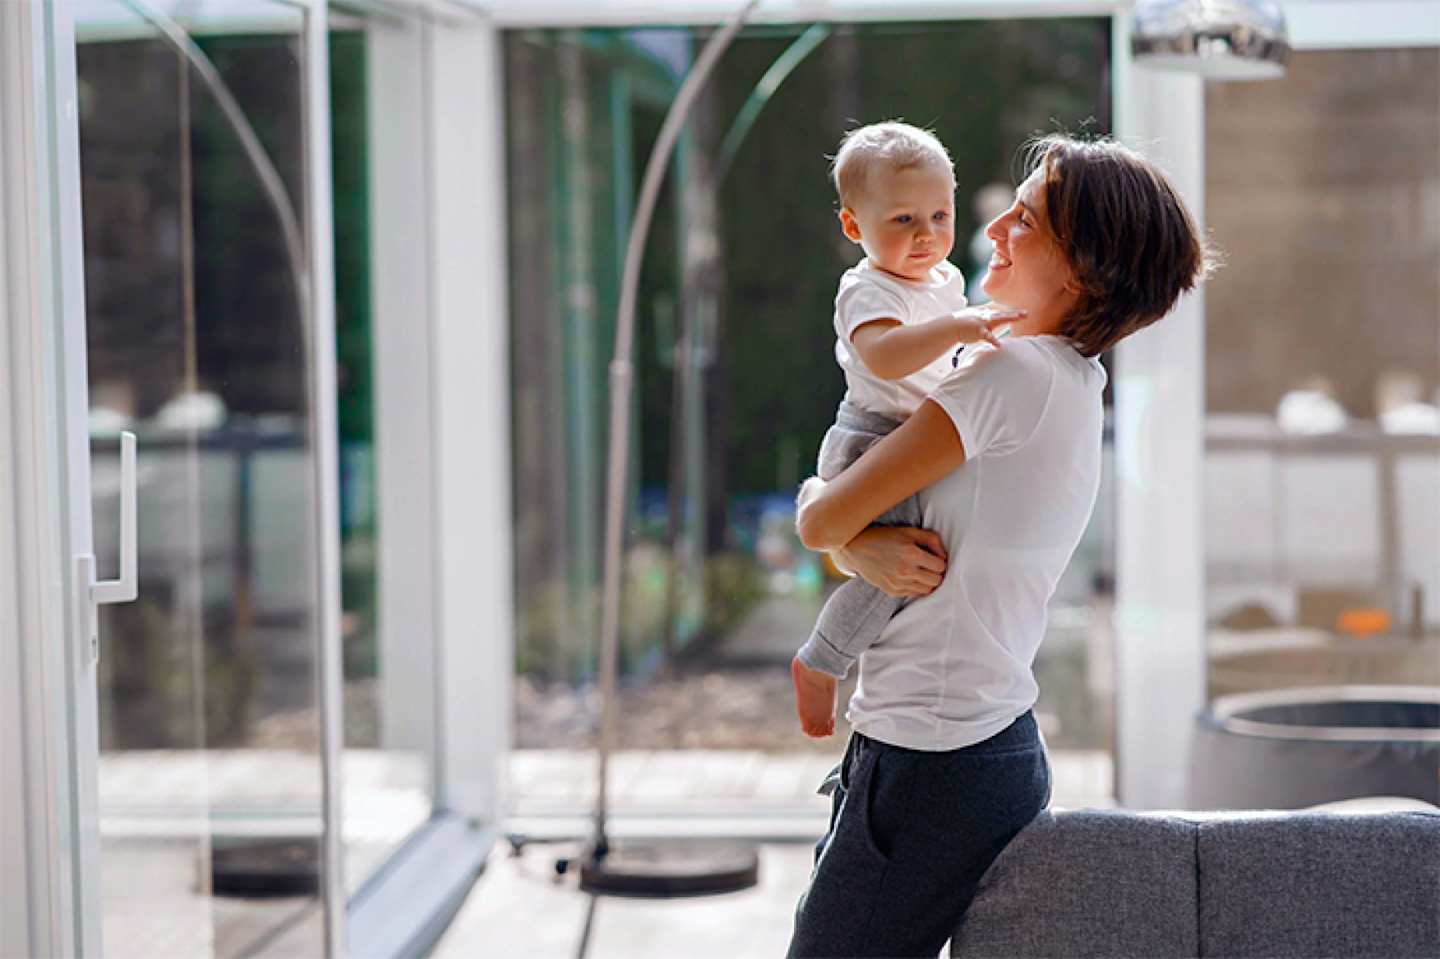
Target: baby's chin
918, 269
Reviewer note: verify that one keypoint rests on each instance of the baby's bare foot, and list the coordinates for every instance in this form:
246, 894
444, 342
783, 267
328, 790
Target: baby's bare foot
814, 699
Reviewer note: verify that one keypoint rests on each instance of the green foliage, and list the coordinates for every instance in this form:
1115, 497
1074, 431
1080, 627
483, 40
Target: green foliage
360, 636
350, 167
584, 117
552, 640
734, 585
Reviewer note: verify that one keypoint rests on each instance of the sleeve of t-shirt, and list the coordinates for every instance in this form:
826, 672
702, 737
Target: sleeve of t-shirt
994, 399
862, 302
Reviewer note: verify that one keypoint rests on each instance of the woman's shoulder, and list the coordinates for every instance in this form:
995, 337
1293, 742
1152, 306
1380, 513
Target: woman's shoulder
1016, 356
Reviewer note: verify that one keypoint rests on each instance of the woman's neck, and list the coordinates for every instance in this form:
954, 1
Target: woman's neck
1038, 324
1047, 318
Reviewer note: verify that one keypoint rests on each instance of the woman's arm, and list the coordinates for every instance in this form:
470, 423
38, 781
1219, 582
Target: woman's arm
920, 451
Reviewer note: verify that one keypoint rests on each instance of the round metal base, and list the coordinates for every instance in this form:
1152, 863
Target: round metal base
266, 867
664, 869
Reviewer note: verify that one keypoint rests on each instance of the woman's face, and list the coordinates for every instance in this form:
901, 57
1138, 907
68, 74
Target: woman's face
1028, 270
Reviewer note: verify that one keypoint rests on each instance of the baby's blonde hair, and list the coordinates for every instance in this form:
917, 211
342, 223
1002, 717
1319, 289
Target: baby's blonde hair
889, 146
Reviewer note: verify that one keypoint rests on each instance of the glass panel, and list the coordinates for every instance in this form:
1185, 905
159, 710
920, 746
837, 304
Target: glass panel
1323, 375
736, 384
210, 770
389, 701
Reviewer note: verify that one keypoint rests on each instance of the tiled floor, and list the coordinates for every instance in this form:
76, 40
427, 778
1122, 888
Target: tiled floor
161, 810
157, 824
518, 910
521, 908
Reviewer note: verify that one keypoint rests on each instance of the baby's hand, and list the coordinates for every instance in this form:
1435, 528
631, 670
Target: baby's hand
814, 699
976, 323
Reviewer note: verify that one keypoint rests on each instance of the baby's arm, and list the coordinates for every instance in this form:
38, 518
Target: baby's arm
893, 351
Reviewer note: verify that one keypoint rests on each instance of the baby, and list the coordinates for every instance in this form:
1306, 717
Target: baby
900, 316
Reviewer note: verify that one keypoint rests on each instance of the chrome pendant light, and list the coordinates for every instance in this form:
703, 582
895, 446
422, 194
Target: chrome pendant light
1218, 39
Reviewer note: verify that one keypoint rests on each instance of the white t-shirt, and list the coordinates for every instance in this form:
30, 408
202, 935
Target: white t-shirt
867, 294
955, 667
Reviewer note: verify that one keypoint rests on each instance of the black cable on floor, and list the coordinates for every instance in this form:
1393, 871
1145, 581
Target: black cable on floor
589, 922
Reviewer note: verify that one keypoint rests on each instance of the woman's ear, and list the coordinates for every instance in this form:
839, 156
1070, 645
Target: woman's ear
849, 225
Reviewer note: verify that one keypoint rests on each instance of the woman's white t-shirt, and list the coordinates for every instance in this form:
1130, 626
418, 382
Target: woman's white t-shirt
955, 667
867, 294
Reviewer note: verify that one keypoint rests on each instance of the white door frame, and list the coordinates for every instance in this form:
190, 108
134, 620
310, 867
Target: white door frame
324, 442
442, 371
50, 838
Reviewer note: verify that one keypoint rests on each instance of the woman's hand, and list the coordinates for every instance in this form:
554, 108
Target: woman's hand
898, 560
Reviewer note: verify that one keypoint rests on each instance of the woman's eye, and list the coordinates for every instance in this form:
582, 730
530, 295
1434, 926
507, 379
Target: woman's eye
1022, 220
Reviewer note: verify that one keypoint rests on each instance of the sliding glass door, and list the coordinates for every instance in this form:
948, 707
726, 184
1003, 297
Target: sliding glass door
272, 317
201, 341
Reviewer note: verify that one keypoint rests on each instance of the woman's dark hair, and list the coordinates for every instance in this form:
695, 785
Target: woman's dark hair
1122, 227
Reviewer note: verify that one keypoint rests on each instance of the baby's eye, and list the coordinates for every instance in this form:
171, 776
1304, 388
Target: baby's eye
941, 216
903, 218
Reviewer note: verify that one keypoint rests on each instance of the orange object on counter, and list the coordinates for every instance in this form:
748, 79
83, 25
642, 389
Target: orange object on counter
1363, 622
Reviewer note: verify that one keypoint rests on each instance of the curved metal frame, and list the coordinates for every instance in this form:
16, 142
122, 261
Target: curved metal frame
270, 181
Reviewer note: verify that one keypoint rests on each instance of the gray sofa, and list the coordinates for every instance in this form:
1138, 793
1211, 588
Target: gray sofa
1160, 885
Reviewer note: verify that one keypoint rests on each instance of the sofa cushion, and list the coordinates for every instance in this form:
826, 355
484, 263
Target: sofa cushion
1088, 883
1320, 884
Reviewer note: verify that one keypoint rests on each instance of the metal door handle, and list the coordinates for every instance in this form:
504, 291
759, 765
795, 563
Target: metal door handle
92, 592
126, 588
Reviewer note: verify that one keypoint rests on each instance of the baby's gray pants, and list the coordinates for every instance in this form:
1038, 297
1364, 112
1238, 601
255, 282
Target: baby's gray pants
856, 613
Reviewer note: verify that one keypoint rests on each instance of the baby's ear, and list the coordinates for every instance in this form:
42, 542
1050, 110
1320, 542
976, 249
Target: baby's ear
849, 224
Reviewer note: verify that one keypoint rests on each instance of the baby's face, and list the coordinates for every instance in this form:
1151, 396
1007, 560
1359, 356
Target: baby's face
905, 220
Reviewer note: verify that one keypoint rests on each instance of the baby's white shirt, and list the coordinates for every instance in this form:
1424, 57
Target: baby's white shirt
868, 293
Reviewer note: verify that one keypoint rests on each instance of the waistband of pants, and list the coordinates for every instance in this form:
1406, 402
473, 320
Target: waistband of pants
1023, 732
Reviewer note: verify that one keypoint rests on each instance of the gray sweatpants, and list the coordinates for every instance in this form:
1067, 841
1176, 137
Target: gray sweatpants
856, 613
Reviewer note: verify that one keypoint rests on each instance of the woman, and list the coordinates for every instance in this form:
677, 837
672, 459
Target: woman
946, 764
